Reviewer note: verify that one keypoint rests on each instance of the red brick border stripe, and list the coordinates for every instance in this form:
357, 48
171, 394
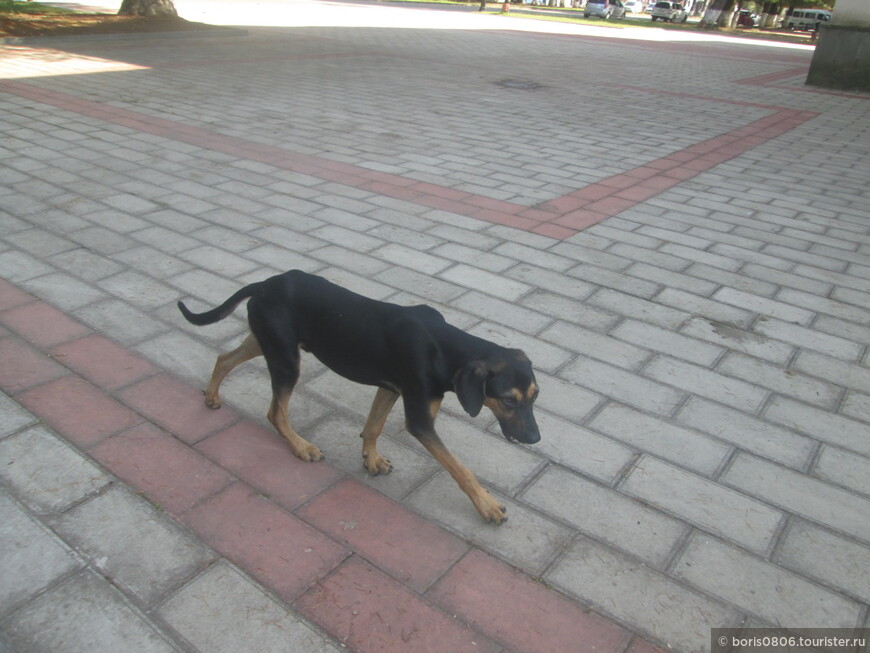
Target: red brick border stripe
558, 218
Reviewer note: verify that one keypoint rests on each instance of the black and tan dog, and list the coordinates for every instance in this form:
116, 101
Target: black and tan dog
403, 350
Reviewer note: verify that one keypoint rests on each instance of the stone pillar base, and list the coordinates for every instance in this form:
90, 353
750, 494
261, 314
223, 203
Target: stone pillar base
842, 58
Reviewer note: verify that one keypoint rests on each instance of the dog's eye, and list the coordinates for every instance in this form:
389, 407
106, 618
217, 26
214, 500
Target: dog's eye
509, 402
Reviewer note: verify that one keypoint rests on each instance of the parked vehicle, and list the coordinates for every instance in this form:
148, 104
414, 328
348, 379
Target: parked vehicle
671, 12
605, 9
633, 6
806, 19
747, 19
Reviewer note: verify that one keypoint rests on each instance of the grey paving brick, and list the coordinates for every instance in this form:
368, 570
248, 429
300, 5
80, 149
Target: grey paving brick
736, 280
732, 337
615, 281
708, 505
829, 559
664, 276
526, 540
180, 354
151, 261
486, 282
31, 557
845, 303
801, 495
820, 424
784, 381
40, 243
744, 255
833, 264
564, 399
670, 236
551, 281
85, 613
45, 472
576, 252
701, 306
707, 383
238, 616
139, 289
12, 416
133, 542
607, 515
748, 433
638, 308
650, 602
576, 312
507, 313
336, 256
856, 405
406, 235
482, 259
777, 596
662, 438
120, 321
764, 306
787, 279
549, 260
701, 256
430, 288
219, 261
411, 258
102, 240
858, 277
165, 240
668, 342
63, 290
294, 240
596, 345
580, 449
622, 385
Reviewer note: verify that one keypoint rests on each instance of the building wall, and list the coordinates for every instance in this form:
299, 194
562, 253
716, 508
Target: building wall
842, 56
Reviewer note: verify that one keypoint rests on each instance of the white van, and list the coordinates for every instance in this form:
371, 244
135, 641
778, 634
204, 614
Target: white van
806, 19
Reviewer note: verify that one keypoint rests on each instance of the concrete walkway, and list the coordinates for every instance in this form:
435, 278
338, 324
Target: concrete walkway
676, 231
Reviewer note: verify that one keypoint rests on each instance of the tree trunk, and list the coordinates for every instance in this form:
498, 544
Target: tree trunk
147, 8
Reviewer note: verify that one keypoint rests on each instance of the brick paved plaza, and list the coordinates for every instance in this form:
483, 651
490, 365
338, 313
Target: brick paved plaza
672, 226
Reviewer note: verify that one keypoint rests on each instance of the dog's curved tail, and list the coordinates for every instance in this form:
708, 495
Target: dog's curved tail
219, 313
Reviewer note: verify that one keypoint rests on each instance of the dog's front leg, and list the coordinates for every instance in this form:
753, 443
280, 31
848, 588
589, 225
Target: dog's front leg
490, 509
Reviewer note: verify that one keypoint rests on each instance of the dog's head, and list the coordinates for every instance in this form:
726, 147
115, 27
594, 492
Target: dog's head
505, 383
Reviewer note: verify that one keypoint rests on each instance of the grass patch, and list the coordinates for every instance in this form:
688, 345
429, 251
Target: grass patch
31, 8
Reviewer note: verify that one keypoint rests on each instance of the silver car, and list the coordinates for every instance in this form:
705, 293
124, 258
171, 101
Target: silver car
671, 12
604, 9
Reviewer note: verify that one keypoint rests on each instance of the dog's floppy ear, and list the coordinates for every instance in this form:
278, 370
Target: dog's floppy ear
469, 386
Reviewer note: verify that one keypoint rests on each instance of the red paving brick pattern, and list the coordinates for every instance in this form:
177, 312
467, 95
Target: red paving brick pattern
373, 575
558, 218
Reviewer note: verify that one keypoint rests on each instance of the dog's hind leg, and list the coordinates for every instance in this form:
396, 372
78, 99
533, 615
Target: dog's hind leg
225, 363
374, 462
283, 363
302, 448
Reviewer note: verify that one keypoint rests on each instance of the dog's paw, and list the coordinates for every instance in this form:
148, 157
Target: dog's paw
376, 464
310, 453
212, 401
491, 510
